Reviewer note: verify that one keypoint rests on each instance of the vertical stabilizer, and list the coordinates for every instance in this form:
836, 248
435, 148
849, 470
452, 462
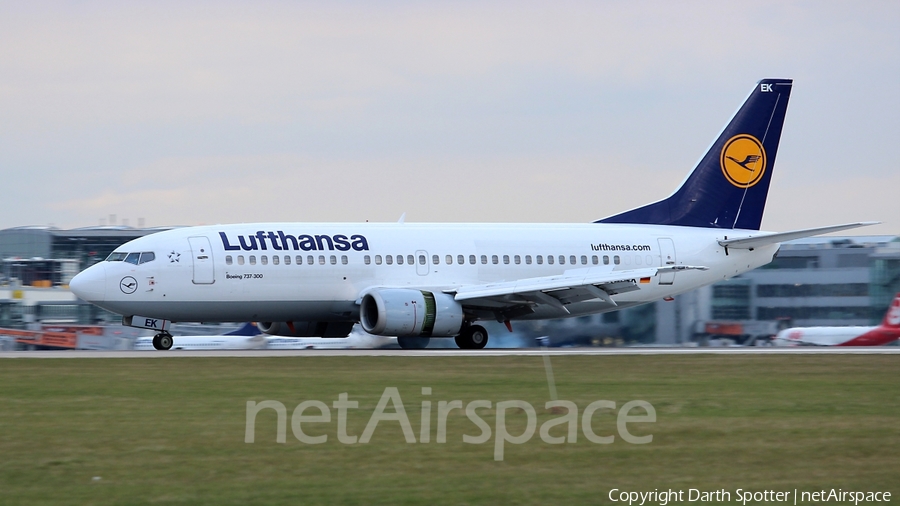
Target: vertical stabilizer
728, 188
892, 317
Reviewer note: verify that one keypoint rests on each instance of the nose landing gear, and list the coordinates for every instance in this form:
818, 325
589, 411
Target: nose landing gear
163, 341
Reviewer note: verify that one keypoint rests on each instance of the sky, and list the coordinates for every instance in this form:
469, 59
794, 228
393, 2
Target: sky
188, 113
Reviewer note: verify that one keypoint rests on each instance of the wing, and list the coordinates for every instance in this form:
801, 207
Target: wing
511, 299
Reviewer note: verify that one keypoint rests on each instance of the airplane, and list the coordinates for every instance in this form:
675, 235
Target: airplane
422, 281
247, 337
887, 332
357, 339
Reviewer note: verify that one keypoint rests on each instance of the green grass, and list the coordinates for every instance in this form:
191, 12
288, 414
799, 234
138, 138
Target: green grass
171, 431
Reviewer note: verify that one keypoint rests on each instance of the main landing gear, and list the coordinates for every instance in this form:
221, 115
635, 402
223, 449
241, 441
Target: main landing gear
163, 341
472, 337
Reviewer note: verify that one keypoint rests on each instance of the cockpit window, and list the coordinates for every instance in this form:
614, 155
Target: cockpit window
133, 258
147, 256
116, 256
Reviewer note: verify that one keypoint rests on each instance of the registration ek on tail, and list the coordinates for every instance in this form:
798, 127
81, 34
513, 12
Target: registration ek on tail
422, 281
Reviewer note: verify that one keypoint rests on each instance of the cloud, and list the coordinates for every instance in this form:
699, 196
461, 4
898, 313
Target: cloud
484, 111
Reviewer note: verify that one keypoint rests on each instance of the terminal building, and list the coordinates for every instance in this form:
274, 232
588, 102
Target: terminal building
824, 281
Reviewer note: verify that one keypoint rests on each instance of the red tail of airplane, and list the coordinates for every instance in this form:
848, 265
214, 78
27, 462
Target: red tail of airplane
892, 317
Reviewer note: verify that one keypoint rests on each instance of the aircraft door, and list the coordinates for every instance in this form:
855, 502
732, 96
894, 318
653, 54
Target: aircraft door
201, 255
667, 257
421, 262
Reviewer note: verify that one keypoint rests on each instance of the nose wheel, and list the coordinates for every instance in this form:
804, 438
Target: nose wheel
163, 341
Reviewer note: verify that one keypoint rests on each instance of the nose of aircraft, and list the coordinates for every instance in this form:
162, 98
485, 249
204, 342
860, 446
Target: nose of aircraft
90, 284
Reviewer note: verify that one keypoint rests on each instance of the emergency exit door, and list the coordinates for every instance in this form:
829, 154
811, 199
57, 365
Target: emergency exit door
666, 257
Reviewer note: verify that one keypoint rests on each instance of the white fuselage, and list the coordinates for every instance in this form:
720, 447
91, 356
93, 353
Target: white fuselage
836, 336
318, 271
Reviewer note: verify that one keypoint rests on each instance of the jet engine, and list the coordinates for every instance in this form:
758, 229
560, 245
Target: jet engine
306, 329
404, 312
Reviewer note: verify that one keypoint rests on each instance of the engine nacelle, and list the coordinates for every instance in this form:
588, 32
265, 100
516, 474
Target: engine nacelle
404, 312
306, 329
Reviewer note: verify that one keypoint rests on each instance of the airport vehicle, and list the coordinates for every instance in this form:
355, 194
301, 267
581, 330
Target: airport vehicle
419, 281
247, 337
887, 332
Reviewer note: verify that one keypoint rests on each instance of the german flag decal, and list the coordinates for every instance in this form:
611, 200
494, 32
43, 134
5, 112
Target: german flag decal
645, 280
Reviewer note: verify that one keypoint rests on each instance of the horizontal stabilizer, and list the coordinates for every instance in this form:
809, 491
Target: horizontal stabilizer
766, 239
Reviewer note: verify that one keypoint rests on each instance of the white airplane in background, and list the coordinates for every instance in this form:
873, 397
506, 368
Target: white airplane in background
247, 337
357, 339
419, 281
887, 332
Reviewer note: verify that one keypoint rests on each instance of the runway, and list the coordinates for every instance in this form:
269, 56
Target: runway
495, 352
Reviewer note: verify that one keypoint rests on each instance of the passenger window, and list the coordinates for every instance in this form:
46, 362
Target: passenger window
527, 259
573, 260
274, 259
263, 259
411, 260
423, 261
449, 259
616, 260
377, 259
637, 260
240, 259
595, 260
549, 259
321, 259
583, 259
627, 260
540, 259
562, 260
310, 260
472, 259
484, 259
344, 260
495, 260
333, 260
399, 259
287, 260
228, 260
252, 259
299, 260
517, 259
147, 256
436, 259
462, 260
133, 258
388, 259
506, 259
367, 259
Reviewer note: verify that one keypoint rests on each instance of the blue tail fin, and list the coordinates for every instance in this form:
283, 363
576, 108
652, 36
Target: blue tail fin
728, 187
248, 329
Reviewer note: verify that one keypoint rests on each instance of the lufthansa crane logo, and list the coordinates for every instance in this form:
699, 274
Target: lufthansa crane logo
128, 285
743, 160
